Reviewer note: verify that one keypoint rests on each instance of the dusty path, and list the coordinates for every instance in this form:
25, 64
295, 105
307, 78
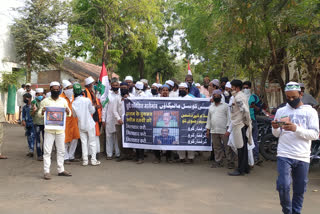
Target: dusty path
128, 188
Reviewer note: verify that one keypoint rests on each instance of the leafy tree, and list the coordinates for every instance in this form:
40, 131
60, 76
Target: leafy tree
34, 30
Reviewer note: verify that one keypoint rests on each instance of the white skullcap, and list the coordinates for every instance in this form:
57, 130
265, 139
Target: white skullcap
155, 84
228, 85
292, 86
159, 85
197, 84
144, 81
128, 78
28, 84
54, 83
139, 85
183, 84
66, 83
39, 90
88, 81
170, 82
216, 82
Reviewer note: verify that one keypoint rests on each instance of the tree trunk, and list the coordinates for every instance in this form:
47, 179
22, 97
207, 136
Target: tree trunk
264, 77
28, 67
141, 65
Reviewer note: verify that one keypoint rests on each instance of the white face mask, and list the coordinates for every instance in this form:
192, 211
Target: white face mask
68, 93
226, 93
247, 91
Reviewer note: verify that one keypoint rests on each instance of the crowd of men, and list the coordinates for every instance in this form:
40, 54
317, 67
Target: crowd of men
231, 123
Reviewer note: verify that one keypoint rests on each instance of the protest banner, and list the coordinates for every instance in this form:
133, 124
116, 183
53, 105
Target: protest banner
55, 118
166, 124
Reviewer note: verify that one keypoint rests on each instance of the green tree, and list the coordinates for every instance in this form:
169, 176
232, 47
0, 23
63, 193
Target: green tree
34, 31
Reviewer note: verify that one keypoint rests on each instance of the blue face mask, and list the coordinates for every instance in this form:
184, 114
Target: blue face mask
95, 87
40, 97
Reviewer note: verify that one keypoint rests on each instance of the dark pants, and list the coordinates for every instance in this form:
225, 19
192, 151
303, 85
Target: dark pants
295, 172
39, 130
140, 154
125, 153
30, 133
157, 153
243, 166
255, 132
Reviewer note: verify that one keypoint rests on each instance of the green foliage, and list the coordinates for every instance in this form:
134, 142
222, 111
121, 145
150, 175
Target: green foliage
11, 79
33, 33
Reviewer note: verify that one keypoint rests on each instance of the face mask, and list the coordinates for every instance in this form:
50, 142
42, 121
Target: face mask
40, 97
294, 103
95, 87
124, 91
68, 93
25, 101
247, 91
182, 93
114, 89
233, 93
55, 94
154, 91
226, 93
189, 84
206, 85
223, 87
217, 99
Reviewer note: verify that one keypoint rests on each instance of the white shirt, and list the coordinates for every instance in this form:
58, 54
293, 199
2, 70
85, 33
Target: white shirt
20, 94
83, 109
110, 112
218, 118
148, 93
174, 93
296, 145
32, 92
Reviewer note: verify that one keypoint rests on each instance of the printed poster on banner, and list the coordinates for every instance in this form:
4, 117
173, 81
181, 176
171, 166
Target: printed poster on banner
164, 123
55, 118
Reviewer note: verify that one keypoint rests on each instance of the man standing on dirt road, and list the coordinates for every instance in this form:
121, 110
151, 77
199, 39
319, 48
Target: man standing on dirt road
296, 125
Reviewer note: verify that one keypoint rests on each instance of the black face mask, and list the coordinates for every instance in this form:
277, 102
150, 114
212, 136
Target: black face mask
182, 93
217, 99
189, 84
294, 103
124, 91
25, 101
55, 94
154, 91
114, 89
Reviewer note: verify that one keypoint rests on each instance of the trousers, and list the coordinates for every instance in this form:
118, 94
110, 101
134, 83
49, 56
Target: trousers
31, 137
1, 137
70, 149
221, 148
295, 172
243, 165
39, 129
49, 139
184, 154
88, 139
112, 142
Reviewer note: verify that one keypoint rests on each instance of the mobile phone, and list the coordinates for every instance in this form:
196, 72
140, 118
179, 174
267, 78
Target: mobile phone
281, 123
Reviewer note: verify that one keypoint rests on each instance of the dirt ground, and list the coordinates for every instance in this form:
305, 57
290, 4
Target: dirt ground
125, 187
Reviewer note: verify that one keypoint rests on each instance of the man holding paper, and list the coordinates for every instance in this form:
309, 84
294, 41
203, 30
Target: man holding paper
52, 135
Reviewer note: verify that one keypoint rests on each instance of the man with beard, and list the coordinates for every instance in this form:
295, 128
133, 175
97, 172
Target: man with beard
110, 115
204, 89
192, 89
155, 90
129, 80
240, 124
51, 136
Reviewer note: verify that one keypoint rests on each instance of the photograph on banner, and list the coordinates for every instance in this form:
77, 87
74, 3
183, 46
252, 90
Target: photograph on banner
166, 124
55, 118
165, 118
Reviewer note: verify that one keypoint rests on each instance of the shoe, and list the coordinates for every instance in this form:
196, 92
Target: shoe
67, 162
85, 163
3, 157
140, 162
40, 158
47, 176
231, 165
65, 173
109, 158
182, 160
30, 154
217, 165
258, 162
119, 159
156, 161
97, 163
235, 173
169, 161
74, 160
